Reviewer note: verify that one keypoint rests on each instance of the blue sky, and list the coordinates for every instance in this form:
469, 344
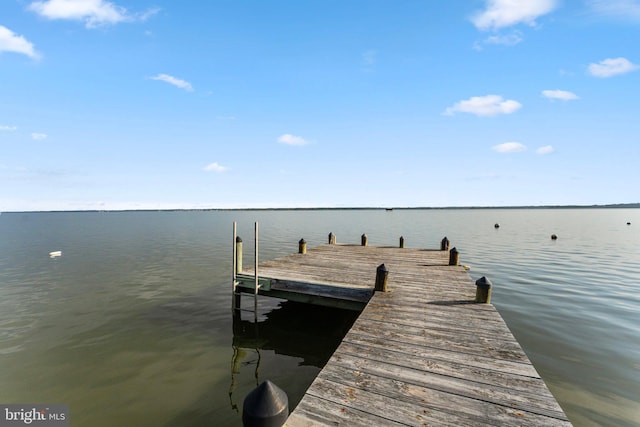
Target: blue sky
166, 104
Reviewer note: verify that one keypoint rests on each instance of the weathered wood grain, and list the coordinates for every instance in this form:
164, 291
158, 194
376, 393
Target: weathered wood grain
421, 354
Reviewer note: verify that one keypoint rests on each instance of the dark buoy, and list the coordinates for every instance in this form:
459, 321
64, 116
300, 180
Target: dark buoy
554, 237
266, 406
496, 225
628, 223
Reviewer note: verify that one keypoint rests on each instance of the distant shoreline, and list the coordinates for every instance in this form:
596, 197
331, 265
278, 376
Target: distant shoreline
387, 208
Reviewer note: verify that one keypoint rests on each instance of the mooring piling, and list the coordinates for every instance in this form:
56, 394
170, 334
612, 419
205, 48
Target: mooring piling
483, 290
454, 256
332, 239
382, 274
444, 244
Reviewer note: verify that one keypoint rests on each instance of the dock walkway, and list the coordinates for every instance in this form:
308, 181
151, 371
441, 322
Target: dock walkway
420, 354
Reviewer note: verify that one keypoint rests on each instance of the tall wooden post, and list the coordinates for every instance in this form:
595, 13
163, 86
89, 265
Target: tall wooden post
238, 254
382, 274
332, 239
483, 290
302, 246
401, 241
454, 257
364, 240
255, 269
237, 267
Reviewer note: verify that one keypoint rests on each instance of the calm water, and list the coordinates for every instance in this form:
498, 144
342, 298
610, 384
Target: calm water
132, 325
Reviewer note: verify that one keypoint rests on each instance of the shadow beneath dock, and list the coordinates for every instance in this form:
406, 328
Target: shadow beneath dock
308, 332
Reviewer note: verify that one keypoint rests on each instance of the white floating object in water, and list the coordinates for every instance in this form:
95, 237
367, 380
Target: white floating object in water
55, 254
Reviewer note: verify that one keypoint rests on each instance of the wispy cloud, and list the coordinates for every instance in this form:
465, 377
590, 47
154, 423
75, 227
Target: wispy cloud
11, 42
547, 149
289, 139
94, 13
506, 13
559, 94
39, 136
619, 9
504, 40
182, 84
509, 147
8, 128
215, 167
489, 105
612, 67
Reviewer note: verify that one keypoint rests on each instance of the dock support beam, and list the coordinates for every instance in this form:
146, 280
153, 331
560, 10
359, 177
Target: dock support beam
401, 242
302, 247
364, 240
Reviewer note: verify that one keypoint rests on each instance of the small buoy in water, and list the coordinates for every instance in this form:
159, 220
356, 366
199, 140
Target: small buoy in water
496, 225
628, 223
554, 237
55, 254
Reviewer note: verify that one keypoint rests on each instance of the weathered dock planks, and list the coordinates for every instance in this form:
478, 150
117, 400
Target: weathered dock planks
420, 354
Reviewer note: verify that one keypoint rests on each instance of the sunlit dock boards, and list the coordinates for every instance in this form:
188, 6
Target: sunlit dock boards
420, 354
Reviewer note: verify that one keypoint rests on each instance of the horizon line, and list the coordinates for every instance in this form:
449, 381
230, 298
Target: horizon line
387, 208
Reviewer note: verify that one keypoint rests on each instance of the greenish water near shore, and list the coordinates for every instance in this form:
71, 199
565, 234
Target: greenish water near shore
132, 325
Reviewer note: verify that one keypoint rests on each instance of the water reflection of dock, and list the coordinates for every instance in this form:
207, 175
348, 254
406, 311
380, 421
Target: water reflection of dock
421, 353
295, 330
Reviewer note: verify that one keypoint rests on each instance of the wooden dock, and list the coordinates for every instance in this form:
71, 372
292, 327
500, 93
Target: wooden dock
422, 353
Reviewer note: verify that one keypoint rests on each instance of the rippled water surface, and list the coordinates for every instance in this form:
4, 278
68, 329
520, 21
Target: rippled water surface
132, 325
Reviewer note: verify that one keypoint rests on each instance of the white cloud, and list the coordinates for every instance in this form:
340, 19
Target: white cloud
547, 149
506, 13
215, 167
621, 9
509, 147
8, 128
489, 105
182, 84
94, 13
612, 67
559, 94
11, 42
39, 136
289, 139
